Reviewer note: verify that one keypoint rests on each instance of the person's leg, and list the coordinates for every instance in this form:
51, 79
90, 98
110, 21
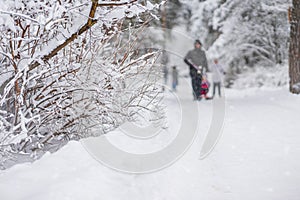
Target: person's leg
219, 89
194, 86
214, 89
205, 94
174, 86
198, 85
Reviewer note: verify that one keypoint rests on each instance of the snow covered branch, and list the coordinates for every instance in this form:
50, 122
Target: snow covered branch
119, 3
69, 74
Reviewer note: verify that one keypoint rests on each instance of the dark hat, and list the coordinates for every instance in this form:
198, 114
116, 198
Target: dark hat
198, 41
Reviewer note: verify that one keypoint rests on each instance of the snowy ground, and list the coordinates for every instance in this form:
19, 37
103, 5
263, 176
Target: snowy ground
257, 157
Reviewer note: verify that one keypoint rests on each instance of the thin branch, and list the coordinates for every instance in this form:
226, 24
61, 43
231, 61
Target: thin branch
91, 21
116, 4
20, 15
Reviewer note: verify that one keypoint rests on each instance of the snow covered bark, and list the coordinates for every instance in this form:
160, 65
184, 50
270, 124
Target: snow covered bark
69, 71
294, 56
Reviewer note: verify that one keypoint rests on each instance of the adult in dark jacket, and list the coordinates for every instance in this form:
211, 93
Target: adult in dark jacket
197, 61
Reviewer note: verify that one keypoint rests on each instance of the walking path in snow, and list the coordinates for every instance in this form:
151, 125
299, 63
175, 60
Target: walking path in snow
257, 157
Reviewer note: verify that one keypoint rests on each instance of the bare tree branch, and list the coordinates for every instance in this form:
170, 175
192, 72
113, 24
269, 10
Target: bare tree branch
91, 21
110, 4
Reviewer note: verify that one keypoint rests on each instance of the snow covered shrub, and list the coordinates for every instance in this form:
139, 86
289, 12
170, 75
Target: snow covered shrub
268, 77
70, 72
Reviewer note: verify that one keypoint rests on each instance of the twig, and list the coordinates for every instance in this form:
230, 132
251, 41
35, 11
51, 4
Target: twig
115, 4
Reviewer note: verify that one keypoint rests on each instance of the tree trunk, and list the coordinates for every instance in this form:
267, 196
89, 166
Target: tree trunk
294, 51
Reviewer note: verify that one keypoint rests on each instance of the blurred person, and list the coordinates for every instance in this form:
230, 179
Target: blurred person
217, 76
174, 78
205, 88
197, 61
164, 62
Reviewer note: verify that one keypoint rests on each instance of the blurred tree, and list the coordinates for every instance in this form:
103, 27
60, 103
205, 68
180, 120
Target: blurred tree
294, 56
242, 33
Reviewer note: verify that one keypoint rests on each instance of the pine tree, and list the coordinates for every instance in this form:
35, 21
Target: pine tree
294, 57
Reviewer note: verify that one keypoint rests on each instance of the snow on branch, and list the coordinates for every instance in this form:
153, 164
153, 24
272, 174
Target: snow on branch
72, 78
19, 15
114, 3
90, 22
